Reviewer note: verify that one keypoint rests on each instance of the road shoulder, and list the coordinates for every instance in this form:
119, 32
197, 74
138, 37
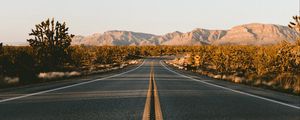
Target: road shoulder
265, 93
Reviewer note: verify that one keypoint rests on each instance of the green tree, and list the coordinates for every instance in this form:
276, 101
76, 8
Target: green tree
50, 42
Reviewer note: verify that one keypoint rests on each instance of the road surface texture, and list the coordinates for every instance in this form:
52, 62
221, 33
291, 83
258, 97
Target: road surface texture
122, 95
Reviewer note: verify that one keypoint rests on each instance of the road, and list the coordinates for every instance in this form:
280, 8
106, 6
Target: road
122, 95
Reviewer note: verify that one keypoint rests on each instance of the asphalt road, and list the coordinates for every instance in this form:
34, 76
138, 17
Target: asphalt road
122, 95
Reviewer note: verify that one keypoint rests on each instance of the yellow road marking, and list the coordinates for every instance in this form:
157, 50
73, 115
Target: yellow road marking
146, 115
157, 108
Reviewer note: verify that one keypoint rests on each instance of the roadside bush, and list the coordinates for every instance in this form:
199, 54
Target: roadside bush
276, 66
18, 62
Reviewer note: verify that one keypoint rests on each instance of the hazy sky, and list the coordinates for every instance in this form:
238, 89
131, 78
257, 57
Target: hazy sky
151, 16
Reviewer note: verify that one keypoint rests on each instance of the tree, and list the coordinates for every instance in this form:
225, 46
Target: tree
50, 42
295, 25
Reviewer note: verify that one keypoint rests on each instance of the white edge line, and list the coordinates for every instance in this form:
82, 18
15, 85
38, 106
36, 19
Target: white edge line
240, 92
69, 86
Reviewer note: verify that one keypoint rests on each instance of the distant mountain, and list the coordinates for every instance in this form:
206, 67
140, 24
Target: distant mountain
249, 34
115, 38
258, 34
195, 37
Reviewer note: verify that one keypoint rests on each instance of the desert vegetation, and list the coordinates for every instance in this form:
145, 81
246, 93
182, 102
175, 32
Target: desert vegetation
22, 63
273, 66
50, 56
26, 64
276, 66
295, 24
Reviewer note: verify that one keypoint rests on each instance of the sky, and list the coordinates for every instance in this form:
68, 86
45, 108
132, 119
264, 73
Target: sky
85, 17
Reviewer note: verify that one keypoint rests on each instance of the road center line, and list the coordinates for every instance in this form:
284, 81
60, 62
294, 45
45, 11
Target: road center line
152, 110
147, 109
69, 86
236, 91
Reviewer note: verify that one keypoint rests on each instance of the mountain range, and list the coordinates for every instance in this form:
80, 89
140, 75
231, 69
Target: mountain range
248, 34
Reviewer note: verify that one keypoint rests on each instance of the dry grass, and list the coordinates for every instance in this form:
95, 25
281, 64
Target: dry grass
287, 81
276, 67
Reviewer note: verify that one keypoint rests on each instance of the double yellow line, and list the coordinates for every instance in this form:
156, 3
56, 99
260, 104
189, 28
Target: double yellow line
152, 106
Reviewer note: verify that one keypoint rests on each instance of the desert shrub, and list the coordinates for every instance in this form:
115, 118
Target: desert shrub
18, 62
81, 55
50, 43
287, 81
277, 65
